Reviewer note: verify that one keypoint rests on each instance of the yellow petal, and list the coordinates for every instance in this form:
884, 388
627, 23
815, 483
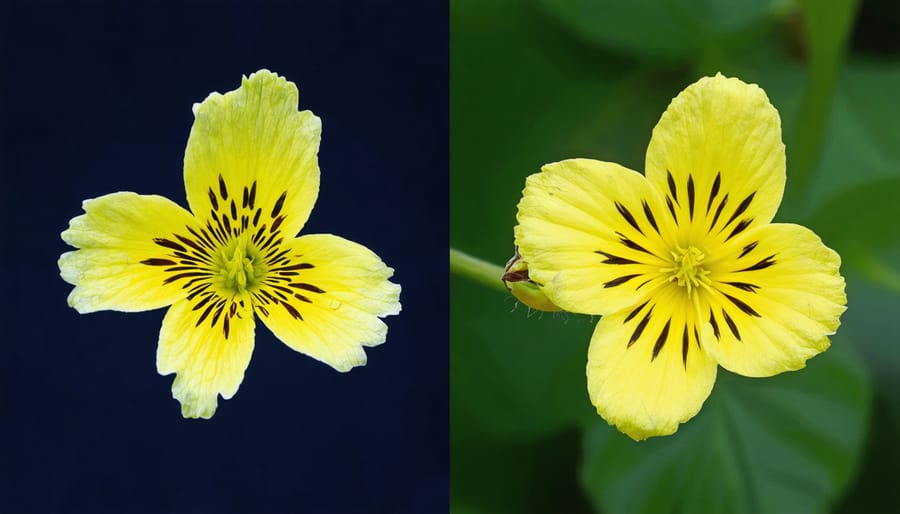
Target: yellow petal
252, 153
337, 301
786, 298
589, 231
116, 240
718, 137
646, 371
208, 349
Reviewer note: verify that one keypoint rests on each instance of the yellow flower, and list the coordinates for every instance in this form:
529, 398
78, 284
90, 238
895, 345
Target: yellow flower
251, 175
684, 263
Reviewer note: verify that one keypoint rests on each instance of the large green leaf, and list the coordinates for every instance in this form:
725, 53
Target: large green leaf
522, 95
496, 476
854, 197
861, 218
856, 208
871, 321
863, 140
788, 444
827, 26
515, 374
664, 30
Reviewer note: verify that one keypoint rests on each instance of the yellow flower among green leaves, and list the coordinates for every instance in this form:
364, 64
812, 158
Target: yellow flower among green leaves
683, 263
251, 176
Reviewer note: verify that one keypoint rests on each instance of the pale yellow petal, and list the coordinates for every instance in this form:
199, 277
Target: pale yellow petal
252, 155
330, 303
786, 297
716, 148
209, 349
590, 232
647, 373
116, 237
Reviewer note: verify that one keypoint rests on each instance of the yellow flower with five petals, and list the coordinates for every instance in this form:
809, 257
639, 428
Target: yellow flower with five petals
683, 263
251, 176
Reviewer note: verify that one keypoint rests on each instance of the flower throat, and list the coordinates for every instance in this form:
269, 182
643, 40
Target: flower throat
688, 270
240, 265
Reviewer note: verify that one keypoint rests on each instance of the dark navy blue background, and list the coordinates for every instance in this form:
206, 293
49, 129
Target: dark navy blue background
96, 98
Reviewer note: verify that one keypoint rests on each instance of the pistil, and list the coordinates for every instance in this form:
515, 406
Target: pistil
241, 268
687, 269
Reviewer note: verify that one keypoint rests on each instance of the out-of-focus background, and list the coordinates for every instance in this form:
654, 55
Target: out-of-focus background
95, 97
537, 81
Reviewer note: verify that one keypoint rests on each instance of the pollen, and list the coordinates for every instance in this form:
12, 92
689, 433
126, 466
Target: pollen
687, 269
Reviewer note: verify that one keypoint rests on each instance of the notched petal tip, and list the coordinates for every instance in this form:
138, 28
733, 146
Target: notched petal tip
195, 408
112, 237
68, 270
255, 135
344, 316
345, 366
261, 74
392, 295
207, 363
82, 305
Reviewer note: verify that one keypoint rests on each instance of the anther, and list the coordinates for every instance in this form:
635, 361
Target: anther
687, 269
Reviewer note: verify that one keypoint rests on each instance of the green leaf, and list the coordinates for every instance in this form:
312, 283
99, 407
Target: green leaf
871, 321
861, 217
496, 476
788, 444
515, 374
863, 140
669, 30
658, 30
524, 94
828, 25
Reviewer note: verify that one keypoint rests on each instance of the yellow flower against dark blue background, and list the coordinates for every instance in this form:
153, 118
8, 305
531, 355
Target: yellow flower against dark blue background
251, 176
684, 263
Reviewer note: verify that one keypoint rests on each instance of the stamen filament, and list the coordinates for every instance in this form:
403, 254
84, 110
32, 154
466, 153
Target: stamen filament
688, 271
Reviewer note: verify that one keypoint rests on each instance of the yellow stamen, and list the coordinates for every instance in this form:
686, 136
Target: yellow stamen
240, 268
688, 270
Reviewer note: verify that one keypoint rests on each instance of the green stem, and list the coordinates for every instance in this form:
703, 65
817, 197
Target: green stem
828, 25
473, 268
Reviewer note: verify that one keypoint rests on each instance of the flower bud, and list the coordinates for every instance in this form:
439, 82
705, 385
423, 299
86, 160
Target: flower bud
527, 291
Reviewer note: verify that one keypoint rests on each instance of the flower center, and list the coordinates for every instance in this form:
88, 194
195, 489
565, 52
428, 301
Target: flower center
240, 265
688, 270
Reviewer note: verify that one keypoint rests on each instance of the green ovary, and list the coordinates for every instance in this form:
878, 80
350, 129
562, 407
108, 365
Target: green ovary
240, 266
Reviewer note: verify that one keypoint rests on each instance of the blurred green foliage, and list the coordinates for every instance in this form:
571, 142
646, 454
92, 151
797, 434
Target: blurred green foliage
537, 81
